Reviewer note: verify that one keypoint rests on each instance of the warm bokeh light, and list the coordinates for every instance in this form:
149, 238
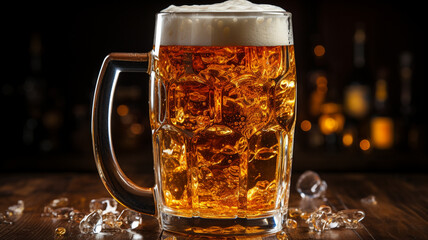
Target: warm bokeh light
328, 124
382, 132
319, 50
365, 144
305, 125
381, 93
331, 119
122, 110
321, 82
347, 139
357, 101
316, 99
136, 128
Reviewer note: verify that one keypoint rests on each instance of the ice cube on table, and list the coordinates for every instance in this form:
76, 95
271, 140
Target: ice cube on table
294, 212
53, 205
76, 216
4, 219
62, 212
369, 200
322, 219
104, 204
291, 223
59, 202
16, 209
129, 219
318, 221
351, 217
13, 213
91, 223
110, 223
310, 185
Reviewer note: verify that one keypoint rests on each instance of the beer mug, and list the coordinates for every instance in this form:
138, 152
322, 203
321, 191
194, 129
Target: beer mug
222, 113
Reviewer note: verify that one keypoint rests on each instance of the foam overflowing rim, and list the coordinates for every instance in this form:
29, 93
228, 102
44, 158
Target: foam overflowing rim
222, 28
231, 13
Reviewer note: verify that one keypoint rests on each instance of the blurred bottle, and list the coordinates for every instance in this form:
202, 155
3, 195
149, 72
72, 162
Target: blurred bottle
318, 80
331, 123
382, 121
408, 135
357, 92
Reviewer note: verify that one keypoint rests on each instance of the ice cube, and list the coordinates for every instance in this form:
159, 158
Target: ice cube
281, 235
291, 223
104, 204
76, 216
305, 215
4, 219
59, 202
333, 221
369, 200
318, 221
12, 213
324, 208
62, 212
110, 223
294, 212
53, 205
129, 219
91, 223
15, 210
324, 218
351, 217
310, 185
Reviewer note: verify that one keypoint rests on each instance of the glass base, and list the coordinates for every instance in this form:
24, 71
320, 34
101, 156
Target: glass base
235, 226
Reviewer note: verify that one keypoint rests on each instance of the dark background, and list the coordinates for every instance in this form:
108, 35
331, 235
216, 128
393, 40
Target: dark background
52, 55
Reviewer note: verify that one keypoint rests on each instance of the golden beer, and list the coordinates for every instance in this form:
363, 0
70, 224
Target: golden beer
223, 124
222, 114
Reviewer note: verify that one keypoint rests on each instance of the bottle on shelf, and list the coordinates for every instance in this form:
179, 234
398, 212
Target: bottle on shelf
382, 121
357, 94
317, 87
407, 132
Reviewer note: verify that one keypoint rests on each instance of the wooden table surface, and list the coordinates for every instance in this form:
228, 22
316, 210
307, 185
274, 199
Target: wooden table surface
401, 212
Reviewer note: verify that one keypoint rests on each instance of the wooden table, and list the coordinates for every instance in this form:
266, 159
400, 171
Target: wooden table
401, 212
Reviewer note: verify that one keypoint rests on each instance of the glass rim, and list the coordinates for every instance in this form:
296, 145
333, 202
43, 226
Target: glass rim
228, 14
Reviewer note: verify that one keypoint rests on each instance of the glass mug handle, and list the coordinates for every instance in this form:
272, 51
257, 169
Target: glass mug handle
126, 192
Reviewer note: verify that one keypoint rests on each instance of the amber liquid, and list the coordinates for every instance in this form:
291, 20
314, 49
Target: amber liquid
223, 125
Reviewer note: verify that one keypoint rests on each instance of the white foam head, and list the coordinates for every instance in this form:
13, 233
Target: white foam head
231, 23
